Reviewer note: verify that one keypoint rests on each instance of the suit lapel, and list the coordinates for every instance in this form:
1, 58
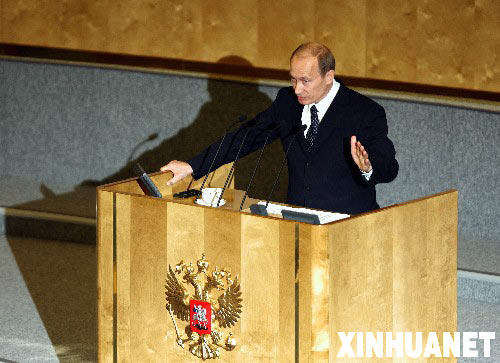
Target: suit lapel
333, 118
297, 115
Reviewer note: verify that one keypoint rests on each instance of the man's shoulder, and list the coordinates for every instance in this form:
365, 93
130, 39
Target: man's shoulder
286, 98
359, 99
286, 93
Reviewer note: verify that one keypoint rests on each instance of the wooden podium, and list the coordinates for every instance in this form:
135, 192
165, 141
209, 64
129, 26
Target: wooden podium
391, 270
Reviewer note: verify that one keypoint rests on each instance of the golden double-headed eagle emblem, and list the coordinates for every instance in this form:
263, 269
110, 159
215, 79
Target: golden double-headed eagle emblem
202, 309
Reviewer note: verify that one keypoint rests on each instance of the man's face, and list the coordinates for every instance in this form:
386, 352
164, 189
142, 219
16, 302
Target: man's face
308, 84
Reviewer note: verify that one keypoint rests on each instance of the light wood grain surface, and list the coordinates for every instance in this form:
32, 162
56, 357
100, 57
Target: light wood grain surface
395, 270
389, 270
105, 275
451, 43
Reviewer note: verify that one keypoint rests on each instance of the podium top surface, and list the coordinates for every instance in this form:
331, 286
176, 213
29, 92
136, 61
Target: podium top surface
232, 197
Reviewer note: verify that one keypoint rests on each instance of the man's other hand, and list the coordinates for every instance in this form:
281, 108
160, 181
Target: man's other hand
180, 169
360, 156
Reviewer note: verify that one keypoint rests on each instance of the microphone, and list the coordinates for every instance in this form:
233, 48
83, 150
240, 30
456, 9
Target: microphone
194, 192
269, 131
262, 209
145, 182
248, 126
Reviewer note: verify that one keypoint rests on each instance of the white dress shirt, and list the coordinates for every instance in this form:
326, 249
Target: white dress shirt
322, 107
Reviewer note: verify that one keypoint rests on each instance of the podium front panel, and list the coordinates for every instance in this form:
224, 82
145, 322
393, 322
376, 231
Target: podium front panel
389, 270
152, 234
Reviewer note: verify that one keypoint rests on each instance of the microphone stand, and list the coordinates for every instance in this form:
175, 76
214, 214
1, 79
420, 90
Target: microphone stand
256, 166
194, 192
230, 175
240, 119
136, 147
262, 209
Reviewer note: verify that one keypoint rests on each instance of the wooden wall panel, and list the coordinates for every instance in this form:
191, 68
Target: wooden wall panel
485, 55
343, 29
138, 27
449, 43
391, 28
229, 28
67, 24
1, 20
444, 38
283, 25
25, 23
157, 28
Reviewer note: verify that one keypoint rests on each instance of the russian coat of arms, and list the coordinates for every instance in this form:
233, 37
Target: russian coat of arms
202, 309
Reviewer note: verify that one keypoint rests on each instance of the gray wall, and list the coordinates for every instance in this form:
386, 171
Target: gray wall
65, 129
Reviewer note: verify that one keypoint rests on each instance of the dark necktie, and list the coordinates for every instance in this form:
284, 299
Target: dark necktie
313, 129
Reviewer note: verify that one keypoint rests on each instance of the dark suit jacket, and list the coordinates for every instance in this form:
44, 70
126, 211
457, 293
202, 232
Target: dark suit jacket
325, 178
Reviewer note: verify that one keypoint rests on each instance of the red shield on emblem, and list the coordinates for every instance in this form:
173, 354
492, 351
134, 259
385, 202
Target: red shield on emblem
200, 316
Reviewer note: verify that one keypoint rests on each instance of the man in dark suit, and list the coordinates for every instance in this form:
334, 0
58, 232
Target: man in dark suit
336, 161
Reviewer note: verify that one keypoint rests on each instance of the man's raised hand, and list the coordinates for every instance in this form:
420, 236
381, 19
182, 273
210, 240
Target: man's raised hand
360, 156
180, 169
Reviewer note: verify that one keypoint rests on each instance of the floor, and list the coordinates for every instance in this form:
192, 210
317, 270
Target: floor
48, 301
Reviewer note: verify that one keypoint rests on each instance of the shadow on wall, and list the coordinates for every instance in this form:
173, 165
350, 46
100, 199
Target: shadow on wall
61, 277
226, 105
227, 102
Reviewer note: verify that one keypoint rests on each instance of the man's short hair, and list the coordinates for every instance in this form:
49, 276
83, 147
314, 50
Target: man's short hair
326, 61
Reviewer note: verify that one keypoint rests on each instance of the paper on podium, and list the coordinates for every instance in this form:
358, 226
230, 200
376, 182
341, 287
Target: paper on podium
324, 216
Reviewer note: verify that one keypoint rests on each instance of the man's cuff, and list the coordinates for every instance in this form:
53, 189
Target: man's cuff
367, 175
193, 164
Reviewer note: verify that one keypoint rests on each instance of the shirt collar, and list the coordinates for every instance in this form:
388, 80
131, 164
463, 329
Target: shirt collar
326, 101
